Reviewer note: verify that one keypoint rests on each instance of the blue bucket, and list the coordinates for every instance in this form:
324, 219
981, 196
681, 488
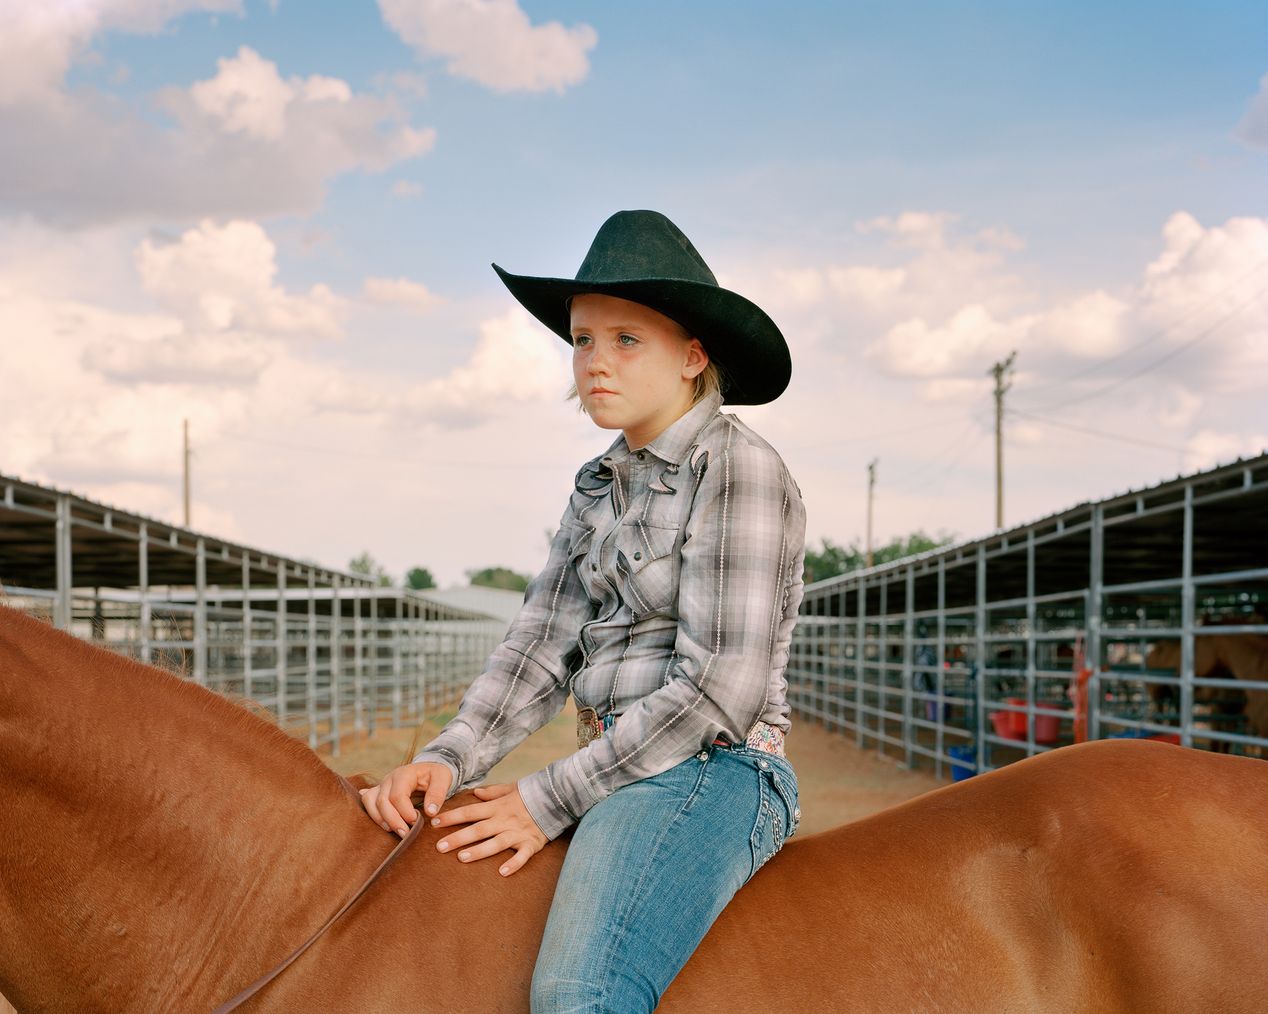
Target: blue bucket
967, 754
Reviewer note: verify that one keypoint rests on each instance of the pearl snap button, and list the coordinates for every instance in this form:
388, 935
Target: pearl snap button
640, 455
638, 556
763, 764
702, 755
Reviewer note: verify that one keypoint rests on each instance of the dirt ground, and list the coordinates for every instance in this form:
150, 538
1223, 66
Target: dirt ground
838, 782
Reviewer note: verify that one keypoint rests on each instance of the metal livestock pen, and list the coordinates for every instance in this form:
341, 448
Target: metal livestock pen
1140, 615
327, 653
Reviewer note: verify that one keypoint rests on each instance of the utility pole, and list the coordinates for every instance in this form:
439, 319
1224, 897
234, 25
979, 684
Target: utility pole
186, 473
871, 487
1003, 381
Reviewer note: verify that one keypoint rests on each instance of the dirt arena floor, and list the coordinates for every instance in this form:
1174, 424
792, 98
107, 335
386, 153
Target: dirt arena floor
838, 782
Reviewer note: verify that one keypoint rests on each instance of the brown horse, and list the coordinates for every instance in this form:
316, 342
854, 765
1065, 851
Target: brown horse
161, 847
1243, 656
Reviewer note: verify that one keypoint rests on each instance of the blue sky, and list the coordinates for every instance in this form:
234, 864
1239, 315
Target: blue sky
279, 219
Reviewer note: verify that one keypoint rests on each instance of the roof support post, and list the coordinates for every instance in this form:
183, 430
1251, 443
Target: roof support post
143, 587
200, 613
63, 616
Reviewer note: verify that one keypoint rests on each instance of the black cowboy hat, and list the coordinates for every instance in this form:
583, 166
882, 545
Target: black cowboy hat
643, 257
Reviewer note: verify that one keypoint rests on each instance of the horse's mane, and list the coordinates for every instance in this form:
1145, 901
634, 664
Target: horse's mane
90, 663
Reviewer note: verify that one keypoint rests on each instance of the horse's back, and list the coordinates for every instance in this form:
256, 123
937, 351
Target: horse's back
1113, 875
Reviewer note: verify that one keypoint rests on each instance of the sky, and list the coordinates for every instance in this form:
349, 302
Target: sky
277, 219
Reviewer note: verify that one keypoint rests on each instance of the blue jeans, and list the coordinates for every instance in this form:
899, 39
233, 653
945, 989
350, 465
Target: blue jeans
649, 870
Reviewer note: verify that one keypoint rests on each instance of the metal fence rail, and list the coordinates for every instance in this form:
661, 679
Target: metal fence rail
1142, 615
328, 654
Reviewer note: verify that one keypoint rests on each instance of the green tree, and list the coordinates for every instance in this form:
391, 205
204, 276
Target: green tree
419, 577
498, 577
368, 566
918, 541
831, 559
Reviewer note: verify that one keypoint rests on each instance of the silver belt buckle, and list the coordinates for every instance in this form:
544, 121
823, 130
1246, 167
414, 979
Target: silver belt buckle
589, 727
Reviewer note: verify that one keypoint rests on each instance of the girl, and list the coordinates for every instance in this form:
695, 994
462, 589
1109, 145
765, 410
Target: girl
666, 608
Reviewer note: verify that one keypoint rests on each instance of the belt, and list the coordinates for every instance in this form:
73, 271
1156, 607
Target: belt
763, 736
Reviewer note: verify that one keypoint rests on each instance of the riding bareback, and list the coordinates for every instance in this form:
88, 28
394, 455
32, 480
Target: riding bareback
162, 847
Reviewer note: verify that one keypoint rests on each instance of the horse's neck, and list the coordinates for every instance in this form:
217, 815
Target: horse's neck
149, 824
1245, 655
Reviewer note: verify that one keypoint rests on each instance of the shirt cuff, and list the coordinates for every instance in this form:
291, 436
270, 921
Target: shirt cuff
552, 808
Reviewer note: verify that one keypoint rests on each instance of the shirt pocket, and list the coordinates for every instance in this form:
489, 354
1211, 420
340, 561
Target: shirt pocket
647, 560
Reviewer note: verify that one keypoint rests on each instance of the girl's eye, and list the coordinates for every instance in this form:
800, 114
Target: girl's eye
581, 339
628, 339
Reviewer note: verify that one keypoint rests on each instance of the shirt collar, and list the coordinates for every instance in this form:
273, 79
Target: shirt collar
673, 445
678, 438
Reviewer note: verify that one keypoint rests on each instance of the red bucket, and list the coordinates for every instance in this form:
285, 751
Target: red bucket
1017, 719
1047, 727
1006, 727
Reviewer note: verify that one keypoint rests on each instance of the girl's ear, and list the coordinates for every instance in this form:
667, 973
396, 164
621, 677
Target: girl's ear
696, 359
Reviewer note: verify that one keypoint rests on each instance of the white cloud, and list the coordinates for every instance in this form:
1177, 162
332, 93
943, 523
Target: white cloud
911, 228
40, 39
856, 283
1093, 325
493, 42
514, 361
1176, 406
222, 277
1209, 447
1253, 128
94, 396
408, 83
178, 359
951, 305
245, 142
401, 292
248, 95
1205, 289
970, 337
953, 389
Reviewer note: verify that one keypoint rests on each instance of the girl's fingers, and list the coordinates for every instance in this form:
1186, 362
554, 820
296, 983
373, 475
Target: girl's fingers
370, 800
489, 847
464, 815
403, 783
471, 833
523, 853
390, 817
437, 790
493, 791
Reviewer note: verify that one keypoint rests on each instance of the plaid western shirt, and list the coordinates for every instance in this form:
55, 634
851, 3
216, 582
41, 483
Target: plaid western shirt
668, 599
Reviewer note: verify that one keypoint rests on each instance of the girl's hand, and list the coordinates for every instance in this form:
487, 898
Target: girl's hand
389, 804
497, 823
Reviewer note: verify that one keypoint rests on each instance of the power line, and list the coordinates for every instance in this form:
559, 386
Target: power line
866, 435
915, 481
1197, 339
1149, 339
1099, 433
